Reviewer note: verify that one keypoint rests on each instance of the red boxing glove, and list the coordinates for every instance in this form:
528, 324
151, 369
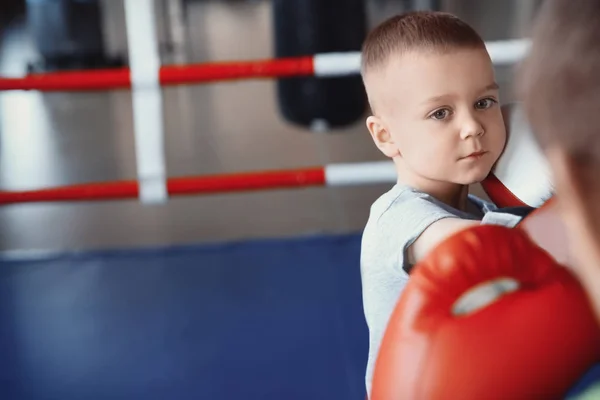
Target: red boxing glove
454, 335
521, 176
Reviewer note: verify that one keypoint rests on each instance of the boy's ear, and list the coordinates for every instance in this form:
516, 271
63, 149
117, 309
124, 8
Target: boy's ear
566, 182
381, 136
577, 186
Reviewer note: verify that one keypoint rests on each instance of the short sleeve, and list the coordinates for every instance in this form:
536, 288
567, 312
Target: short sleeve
405, 220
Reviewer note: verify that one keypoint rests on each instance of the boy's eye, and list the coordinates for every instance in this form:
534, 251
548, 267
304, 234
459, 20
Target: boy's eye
485, 103
440, 114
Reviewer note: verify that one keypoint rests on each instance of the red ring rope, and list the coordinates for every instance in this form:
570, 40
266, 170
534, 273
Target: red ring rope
169, 75
175, 186
499, 194
212, 72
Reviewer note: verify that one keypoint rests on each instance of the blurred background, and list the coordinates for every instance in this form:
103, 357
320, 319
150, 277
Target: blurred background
49, 139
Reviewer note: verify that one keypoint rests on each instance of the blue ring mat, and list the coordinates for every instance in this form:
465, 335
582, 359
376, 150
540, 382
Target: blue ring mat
261, 319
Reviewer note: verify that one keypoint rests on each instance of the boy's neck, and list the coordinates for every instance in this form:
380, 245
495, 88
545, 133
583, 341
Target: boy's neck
452, 194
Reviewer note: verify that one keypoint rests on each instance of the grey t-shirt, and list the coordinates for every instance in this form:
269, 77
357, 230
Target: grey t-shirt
396, 220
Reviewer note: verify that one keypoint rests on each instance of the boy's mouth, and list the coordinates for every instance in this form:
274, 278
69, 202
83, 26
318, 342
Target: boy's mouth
475, 155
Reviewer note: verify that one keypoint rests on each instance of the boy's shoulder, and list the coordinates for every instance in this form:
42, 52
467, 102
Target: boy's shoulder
403, 201
397, 218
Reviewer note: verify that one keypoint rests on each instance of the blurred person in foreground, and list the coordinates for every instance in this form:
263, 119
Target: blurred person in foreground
559, 84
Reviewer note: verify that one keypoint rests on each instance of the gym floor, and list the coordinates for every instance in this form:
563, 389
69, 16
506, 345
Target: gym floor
67, 138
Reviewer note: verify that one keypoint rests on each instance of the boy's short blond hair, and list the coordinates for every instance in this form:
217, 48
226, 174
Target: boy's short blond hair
559, 80
417, 30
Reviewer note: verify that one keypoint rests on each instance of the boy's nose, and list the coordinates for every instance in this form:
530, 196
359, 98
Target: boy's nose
470, 128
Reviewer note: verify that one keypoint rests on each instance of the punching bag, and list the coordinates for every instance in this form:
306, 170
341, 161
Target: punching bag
68, 34
307, 27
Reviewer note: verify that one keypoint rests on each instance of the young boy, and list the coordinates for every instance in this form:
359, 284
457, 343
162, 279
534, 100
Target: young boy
436, 114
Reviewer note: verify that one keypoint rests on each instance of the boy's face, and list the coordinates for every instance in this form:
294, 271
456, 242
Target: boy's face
438, 114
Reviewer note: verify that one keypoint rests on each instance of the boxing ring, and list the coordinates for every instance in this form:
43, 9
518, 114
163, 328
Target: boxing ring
272, 318
149, 135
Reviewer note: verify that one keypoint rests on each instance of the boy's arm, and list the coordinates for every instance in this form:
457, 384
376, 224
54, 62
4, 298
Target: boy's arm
434, 234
